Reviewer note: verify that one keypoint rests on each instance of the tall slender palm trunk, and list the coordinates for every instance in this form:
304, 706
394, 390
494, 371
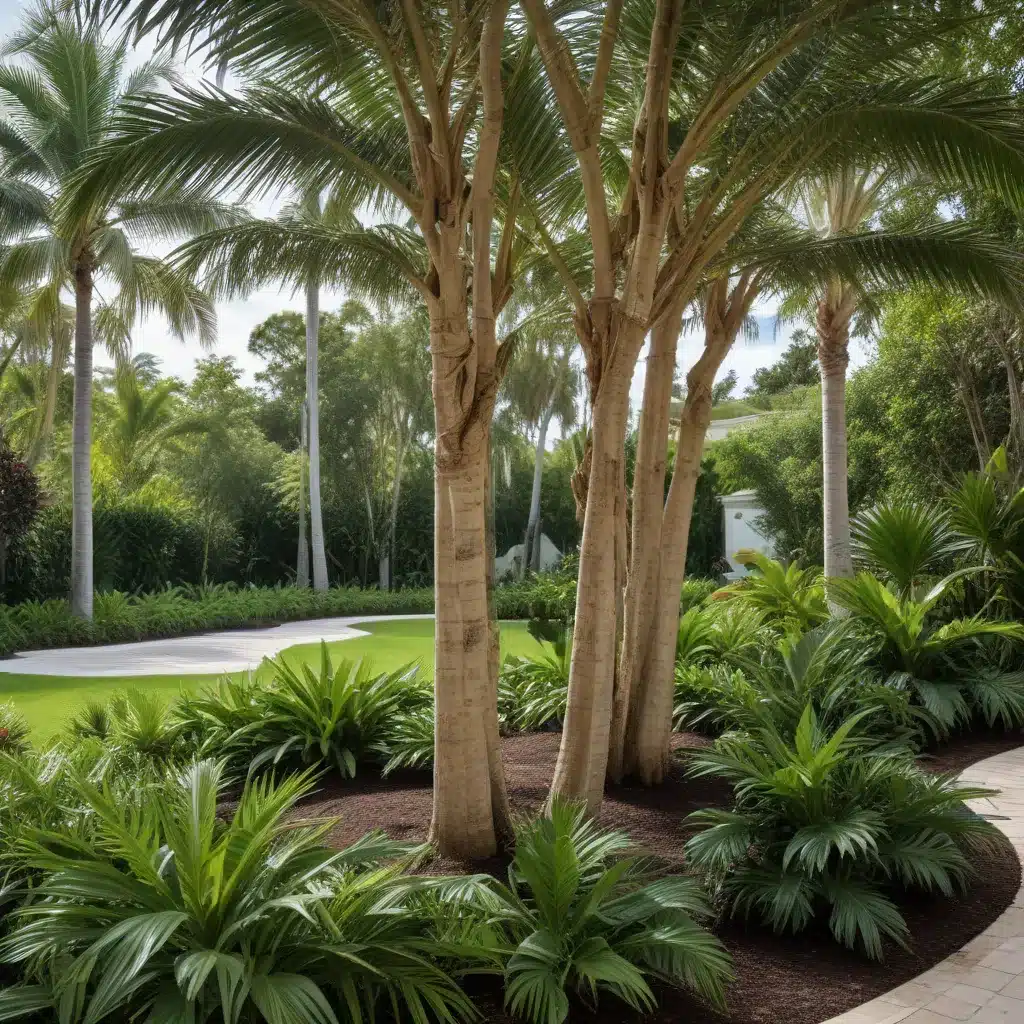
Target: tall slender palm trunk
316, 528
833, 327
583, 755
81, 448
302, 562
531, 545
470, 810
641, 596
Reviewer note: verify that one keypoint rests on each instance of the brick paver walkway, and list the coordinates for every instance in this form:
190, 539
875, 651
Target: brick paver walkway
984, 982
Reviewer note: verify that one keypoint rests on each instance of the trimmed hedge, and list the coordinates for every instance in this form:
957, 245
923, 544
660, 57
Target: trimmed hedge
176, 611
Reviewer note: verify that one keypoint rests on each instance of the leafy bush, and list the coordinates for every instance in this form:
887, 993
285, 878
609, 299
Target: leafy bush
170, 912
13, 730
826, 822
337, 715
947, 666
584, 917
905, 542
792, 597
409, 742
533, 690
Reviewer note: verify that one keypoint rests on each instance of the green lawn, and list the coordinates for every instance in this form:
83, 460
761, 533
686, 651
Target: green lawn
47, 701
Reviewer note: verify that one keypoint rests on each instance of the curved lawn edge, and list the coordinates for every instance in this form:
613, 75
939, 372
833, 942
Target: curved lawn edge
983, 982
211, 653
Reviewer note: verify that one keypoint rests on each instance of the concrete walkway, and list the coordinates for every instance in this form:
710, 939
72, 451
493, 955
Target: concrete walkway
984, 982
204, 654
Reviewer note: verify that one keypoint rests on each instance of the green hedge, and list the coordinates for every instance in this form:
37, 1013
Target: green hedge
175, 611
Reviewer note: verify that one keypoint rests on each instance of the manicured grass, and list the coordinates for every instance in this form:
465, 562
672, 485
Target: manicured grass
47, 701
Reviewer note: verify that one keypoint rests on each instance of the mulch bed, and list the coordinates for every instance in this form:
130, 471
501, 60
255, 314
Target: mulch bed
779, 979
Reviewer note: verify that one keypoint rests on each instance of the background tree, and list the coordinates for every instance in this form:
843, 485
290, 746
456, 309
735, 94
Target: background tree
797, 367
60, 101
542, 385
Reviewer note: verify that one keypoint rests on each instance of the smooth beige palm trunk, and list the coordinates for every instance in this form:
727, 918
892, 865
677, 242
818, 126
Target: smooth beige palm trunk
316, 516
302, 561
81, 449
531, 545
641, 597
583, 754
833, 327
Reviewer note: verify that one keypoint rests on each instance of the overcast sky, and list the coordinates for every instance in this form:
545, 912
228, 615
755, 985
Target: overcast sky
236, 319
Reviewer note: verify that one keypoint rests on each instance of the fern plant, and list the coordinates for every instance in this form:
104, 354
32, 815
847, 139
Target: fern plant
830, 823
583, 917
168, 912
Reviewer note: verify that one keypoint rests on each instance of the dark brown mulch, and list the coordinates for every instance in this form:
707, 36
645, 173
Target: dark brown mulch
779, 980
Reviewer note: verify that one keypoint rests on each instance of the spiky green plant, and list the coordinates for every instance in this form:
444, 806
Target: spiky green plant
585, 918
786, 594
906, 542
829, 823
170, 912
948, 666
533, 689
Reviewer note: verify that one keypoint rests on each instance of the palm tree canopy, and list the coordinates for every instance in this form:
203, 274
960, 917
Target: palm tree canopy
59, 101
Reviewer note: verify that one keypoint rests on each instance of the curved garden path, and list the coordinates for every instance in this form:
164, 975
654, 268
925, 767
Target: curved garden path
234, 650
984, 982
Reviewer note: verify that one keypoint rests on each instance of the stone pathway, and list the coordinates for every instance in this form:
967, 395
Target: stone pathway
984, 982
235, 650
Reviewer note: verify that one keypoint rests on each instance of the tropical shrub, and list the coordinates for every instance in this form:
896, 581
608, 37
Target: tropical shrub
988, 509
167, 911
533, 689
827, 822
791, 597
13, 730
905, 543
409, 742
583, 917
951, 668
335, 715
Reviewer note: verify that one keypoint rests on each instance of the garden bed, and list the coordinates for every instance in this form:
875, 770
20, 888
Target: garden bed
779, 980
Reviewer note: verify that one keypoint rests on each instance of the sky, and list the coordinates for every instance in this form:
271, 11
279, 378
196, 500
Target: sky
236, 319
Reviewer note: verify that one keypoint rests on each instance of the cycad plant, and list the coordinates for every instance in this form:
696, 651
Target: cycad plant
585, 919
332, 715
61, 97
169, 912
827, 823
949, 666
789, 596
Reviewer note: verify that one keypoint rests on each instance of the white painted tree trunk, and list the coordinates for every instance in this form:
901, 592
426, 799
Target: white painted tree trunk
833, 358
313, 404
81, 450
302, 562
531, 545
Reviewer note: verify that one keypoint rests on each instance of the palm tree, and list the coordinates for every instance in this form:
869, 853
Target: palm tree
400, 106
140, 425
541, 385
835, 205
59, 102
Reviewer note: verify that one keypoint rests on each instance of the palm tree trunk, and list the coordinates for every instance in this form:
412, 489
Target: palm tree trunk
833, 328
650, 715
313, 403
532, 540
302, 562
388, 559
81, 449
470, 805
641, 595
583, 755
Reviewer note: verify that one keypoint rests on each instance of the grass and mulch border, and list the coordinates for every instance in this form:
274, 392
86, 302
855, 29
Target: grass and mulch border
801, 979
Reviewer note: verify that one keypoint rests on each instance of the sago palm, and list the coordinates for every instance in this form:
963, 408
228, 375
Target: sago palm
59, 98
